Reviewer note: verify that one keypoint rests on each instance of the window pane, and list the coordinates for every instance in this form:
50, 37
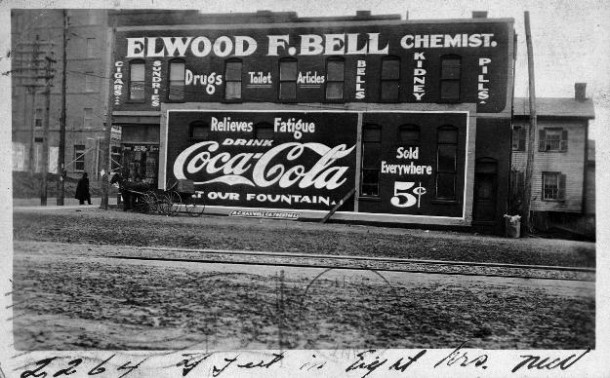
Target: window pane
137, 72
288, 91
371, 153
370, 182
137, 91
176, 71
448, 136
288, 70
409, 135
445, 186
335, 70
176, 90
389, 90
233, 71
263, 131
450, 68
390, 69
334, 91
450, 90
446, 158
371, 134
200, 131
233, 90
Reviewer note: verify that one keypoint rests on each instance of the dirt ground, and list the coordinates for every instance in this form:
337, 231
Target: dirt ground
68, 297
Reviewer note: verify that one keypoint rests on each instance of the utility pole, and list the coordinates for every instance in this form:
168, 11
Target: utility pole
533, 129
61, 156
45, 139
105, 155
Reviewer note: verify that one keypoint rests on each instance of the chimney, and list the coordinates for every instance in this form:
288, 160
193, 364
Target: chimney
479, 14
580, 91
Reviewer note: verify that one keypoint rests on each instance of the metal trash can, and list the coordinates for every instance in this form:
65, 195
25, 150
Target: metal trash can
512, 226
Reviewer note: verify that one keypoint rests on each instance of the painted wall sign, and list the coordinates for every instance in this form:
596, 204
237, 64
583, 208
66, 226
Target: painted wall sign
118, 82
483, 49
156, 80
300, 160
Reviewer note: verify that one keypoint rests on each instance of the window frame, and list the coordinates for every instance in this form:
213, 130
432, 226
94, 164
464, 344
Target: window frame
170, 81
519, 136
560, 189
38, 112
262, 126
137, 62
90, 48
195, 124
383, 80
90, 82
562, 143
335, 59
79, 159
364, 168
446, 78
291, 81
87, 120
442, 172
409, 142
240, 81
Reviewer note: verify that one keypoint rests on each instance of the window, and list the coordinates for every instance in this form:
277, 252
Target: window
409, 135
38, 117
553, 139
390, 78
446, 163
263, 131
335, 77
371, 154
79, 157
233, 70
450, 78
288, 80
91, 47
89, 82
199, 130
136, 81
519, 134
88, 117
176, 81
553, 186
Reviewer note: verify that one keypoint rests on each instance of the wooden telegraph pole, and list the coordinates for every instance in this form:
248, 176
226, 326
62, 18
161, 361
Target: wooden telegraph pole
529, 167
61, 158
48, 76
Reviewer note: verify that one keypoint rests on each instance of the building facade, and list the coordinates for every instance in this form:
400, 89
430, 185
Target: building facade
41, 32
563, 179
272, 111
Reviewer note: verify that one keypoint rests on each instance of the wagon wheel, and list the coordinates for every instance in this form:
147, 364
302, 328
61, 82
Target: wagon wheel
194, 209
173, 203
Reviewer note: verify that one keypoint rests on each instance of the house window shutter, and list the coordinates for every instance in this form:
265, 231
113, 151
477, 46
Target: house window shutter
522, 134
561, 195
541, 140
564, 141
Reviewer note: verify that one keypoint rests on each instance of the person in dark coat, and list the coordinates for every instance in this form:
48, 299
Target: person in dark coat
82, 190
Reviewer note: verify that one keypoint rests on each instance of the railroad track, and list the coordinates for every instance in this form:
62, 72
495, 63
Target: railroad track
387, 264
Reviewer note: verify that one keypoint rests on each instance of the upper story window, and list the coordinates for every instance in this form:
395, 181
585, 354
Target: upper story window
263, 130
91, 48
553, 186
87, 117
89, 81
233, 70
553, 139
446, 162
288, 79
409, 135
79, 157
390, 78
335, 79
38, 117
136, 81
519, 134
199, 130
371, 155
176, 80
451, 67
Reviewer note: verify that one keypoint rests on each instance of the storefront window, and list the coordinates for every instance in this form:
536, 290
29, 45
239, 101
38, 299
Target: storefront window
446, 163
335, 78
390, 78
136, 81
233, 80
288, 80
176, 80
371, 154
140, 163
450, 78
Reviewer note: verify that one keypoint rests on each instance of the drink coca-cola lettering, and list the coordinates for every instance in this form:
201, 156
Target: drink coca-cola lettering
263, 169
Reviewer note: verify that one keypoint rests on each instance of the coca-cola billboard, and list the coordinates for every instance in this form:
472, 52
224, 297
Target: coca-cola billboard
270, 159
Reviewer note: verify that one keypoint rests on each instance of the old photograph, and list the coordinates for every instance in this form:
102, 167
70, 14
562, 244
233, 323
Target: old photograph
305, 188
